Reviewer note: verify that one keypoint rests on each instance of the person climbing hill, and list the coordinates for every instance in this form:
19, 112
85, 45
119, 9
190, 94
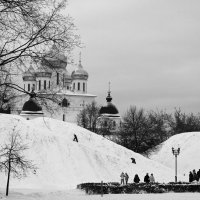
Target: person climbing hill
75, 138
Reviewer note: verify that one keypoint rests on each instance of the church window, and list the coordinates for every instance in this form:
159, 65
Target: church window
24, 86
29, 87
34, 86
83, 87
63, 80
74, 86
45, 84
57, 78
39, 84
78, 86
49, 84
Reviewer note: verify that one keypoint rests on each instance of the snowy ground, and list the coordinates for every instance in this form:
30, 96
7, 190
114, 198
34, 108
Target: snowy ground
188, 159
63, 163
79, 195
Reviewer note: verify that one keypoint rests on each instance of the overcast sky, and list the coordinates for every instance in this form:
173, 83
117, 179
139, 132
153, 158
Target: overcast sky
148, 49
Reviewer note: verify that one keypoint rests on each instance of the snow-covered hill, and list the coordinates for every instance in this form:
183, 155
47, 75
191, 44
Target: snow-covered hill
63, 163
188, 158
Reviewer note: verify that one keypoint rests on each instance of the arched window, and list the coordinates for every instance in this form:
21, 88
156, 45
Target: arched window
29, 87
83, 87
45, 84
78, 86
39, 84
49, 85
74, 86
57, 78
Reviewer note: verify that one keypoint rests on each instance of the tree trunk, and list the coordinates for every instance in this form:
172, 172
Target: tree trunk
8, 179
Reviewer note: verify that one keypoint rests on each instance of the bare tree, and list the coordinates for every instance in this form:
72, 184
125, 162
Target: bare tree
12, 159
88, 117
182, 122
105, 127
133, 129
28, 29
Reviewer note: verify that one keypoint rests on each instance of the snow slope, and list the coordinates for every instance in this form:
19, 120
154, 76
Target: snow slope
188, 158
63, 163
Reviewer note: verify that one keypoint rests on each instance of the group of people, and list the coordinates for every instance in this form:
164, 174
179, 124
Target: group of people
147, 178
194, 176
124, 178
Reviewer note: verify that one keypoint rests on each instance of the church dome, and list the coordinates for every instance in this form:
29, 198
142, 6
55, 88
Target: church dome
31, 107
55, 59
110, 109
80, 73
29, 75
43, 71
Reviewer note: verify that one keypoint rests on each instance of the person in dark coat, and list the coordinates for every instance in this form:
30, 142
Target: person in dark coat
146, 178
133, 160
191, 177
75, 138
122, 178
126, 178
136, 179
195, 178
198, 174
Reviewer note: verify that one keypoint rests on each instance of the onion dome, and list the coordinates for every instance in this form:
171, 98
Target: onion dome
110, 109
43, 71
31, 107
55, 59
29, 75
80, 73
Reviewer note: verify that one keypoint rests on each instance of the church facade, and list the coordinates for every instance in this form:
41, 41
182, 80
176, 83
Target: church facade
51, 80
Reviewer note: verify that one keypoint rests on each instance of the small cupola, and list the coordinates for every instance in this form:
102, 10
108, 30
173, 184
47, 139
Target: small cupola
31, 108
79, 73
110, 109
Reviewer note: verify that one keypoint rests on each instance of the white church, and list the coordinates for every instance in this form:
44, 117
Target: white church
52, 80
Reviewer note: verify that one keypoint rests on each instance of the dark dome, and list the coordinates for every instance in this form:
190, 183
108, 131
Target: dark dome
31, 105
109, 109
55, 59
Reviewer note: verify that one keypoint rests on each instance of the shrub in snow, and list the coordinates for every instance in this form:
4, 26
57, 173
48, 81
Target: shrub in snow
133, 188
